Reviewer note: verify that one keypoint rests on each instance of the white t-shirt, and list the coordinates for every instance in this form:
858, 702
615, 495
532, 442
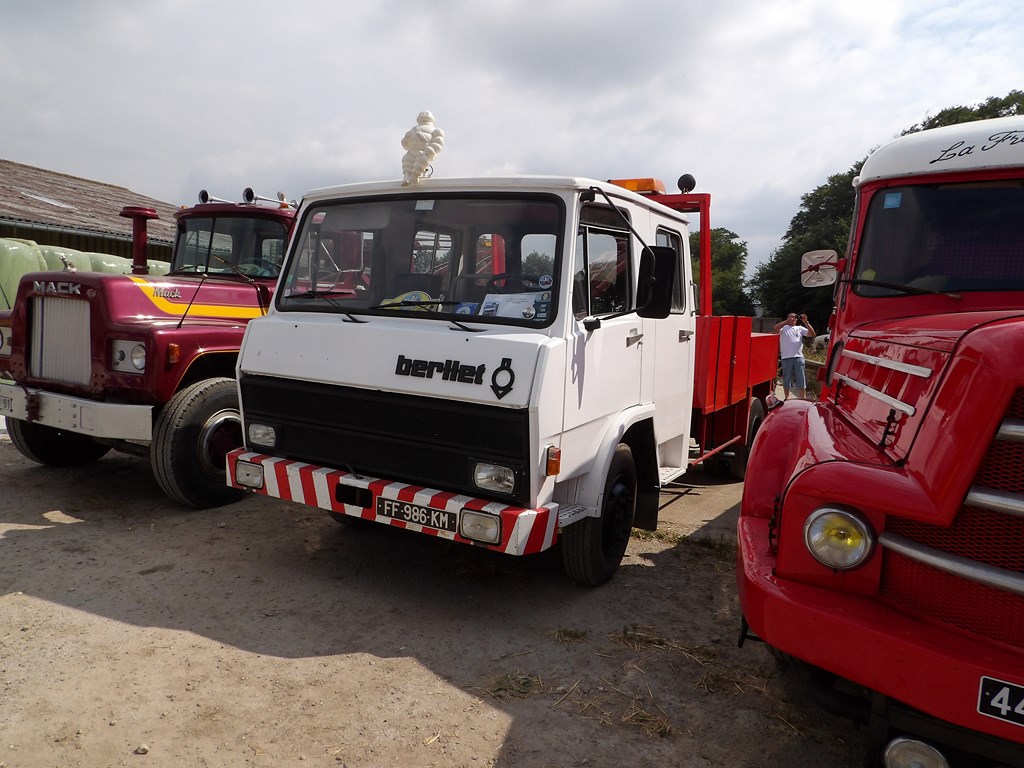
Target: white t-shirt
791, 341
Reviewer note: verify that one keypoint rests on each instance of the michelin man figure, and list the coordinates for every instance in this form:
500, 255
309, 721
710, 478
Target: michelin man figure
422, 143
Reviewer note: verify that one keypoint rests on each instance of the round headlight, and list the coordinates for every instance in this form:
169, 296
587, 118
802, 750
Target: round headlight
838, 538
139, 357
910, 753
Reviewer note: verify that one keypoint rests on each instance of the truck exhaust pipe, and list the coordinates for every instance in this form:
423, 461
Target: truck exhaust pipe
140, 237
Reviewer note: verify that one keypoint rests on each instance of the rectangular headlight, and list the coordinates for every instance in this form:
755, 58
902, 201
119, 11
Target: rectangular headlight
480, 526
494, 477
262, 434
248, 474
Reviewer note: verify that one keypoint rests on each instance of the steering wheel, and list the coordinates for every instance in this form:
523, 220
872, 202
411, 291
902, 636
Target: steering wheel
513, 282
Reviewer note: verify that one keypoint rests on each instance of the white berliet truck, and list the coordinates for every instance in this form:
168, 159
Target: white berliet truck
505, 362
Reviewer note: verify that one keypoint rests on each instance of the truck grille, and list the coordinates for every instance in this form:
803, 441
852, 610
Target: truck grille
987, 535
59, 342
418, 440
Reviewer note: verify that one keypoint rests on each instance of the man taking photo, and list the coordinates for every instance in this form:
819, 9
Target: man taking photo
791, 349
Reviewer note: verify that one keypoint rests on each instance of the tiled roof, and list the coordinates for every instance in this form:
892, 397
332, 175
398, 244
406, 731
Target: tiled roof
31, 195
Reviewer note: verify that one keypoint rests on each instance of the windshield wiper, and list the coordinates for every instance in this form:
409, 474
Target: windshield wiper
186, 269
463, 327
315, 293
203, 269
431, 303
326, 295
909, 290
427, 303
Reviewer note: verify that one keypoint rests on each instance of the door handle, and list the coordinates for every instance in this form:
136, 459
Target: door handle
685, 336
633, 338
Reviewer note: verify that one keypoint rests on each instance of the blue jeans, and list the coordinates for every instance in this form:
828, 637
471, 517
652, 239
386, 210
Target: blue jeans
793, 373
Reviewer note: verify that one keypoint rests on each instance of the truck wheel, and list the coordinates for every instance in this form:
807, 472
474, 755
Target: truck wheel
191, 439
593, 547
738, 463
53, 447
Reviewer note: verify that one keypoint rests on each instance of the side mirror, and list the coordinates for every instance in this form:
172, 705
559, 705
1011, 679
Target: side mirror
656, 279
818, 268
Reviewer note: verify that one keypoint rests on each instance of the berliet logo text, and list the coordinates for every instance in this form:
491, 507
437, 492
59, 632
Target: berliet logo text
64, 288
502, 380
449, 370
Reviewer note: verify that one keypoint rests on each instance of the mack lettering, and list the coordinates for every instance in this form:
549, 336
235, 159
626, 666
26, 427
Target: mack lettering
449, 370
62, 288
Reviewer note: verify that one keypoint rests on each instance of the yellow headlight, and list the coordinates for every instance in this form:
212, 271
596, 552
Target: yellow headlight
838, 538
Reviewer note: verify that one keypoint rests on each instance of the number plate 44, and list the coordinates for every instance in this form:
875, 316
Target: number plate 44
1001, 700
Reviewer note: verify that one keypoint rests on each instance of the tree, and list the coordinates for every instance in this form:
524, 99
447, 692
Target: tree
728, 268
824, 219
537, 264
1011, 104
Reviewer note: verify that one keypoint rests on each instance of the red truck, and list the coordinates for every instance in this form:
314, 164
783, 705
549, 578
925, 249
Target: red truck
141, 363
881, 536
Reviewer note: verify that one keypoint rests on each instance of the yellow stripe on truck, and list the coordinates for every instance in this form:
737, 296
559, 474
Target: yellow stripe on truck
208, 310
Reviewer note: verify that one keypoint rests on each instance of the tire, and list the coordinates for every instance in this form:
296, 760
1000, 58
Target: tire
54, 447
593, 548
737, 465
192, 436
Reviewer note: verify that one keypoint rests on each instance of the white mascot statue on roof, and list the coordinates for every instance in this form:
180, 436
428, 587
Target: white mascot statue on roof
422, 143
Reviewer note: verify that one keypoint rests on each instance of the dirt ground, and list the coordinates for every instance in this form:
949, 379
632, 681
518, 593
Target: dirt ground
136, 633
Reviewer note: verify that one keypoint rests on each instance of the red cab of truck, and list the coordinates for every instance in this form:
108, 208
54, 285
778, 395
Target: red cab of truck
140, 362
881, 536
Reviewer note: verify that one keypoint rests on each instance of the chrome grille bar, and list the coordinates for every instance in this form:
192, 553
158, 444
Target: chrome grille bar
1011, 431
60, 346
980, 573
1004, 502
995, 501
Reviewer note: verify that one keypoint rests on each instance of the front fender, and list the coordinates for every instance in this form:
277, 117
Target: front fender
590, 488
777, 450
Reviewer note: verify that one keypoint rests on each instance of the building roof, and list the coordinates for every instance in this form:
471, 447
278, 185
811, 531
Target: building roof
35, 196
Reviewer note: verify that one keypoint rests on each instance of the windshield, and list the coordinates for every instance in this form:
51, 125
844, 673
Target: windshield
943, 237
251, 245
489, 259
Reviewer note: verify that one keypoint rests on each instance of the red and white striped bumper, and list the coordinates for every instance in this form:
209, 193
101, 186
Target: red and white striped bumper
523, 531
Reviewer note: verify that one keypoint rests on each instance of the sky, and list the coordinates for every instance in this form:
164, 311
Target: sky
760, 100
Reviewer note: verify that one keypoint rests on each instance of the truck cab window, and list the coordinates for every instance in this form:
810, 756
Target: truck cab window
607, 270
674, 240
432, 258
944, 237
428, 272
230, 244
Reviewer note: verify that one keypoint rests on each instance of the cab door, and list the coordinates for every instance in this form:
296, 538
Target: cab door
672, 347
606, 360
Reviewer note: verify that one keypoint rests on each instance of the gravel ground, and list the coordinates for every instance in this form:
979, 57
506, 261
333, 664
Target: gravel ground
134, 632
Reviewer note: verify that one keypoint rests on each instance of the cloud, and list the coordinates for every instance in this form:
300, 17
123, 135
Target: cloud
761, 102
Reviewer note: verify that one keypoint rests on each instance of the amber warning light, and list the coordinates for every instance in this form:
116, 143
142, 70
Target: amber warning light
642, 186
